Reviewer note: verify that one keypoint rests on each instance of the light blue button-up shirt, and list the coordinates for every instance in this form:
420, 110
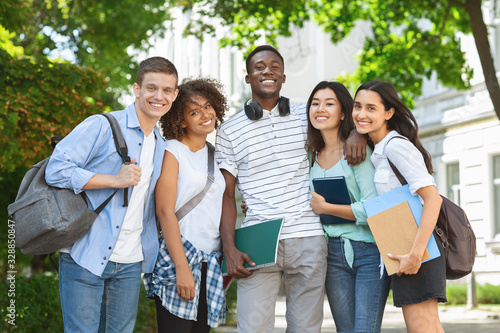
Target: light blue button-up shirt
88, 150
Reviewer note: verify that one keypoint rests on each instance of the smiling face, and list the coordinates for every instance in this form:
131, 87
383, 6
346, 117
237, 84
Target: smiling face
199, 117
265, 77
370, 116
325, 111
154, 97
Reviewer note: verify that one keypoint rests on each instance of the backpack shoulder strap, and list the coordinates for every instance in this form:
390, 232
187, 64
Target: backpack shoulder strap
121, 148
121, 145
398, 174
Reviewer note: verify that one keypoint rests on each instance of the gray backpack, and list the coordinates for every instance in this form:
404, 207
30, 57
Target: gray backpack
48, 218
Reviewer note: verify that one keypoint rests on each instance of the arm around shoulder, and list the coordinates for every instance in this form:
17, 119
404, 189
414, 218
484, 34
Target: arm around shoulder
355, 148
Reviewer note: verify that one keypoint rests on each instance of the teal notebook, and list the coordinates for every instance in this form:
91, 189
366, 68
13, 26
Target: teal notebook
260, 242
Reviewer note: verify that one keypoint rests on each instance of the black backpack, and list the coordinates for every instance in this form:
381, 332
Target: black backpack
455, 232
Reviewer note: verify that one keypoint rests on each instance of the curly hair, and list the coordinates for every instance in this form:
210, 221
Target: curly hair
211, 89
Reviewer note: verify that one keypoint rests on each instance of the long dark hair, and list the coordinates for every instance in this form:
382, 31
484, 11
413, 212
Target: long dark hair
315, 140
403, 120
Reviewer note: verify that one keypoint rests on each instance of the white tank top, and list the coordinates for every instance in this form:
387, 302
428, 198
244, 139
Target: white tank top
201, 225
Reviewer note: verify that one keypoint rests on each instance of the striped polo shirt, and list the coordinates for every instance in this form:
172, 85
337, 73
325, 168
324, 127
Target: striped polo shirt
268, 158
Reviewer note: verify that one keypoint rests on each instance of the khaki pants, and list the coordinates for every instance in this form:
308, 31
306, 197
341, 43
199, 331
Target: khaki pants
302, 265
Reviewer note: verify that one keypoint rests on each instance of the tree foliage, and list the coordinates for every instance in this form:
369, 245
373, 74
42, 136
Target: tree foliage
40, 99
91, 33
409, 40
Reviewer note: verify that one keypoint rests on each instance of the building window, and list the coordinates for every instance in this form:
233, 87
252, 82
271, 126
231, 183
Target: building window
453, 182
496, 193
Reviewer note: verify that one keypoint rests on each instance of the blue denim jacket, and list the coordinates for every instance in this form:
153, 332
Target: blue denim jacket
88, 150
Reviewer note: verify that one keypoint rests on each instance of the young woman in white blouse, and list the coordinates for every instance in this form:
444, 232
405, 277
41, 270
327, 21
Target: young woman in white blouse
417, 287
187, 281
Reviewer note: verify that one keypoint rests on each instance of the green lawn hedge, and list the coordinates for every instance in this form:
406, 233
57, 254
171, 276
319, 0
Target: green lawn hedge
38, 308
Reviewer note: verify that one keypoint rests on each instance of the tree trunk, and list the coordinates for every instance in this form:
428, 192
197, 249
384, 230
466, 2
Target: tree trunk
480, 33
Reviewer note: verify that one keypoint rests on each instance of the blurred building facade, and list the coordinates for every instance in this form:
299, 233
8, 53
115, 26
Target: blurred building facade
462, 132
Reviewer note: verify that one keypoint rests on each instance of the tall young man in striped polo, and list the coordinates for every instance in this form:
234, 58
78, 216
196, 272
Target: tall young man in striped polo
267, 158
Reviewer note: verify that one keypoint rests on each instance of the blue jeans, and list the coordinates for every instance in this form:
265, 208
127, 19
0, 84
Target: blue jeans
356, 295
92, 303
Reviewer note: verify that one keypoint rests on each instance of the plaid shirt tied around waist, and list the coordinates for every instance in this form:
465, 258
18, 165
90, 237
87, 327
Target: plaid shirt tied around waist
162, 282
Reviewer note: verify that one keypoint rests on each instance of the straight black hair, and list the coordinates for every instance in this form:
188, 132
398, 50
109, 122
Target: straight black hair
315, 140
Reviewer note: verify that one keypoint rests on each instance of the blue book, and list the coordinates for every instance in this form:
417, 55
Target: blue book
395, 197
334, 190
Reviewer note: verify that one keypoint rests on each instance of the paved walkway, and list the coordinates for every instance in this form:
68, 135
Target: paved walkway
454, 319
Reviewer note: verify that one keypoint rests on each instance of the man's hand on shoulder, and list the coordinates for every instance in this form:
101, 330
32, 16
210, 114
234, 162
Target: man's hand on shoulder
355, 148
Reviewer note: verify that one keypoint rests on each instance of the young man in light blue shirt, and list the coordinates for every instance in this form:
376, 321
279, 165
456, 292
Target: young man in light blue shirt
100, 274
